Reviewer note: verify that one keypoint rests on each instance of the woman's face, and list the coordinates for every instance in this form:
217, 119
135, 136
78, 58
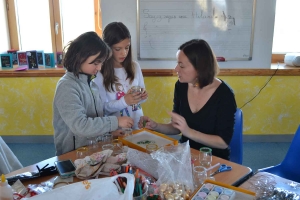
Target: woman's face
91, 66
120, 51
185, 70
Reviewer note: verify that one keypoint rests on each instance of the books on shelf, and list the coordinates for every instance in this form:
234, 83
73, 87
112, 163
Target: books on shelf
22, 58
40, 58
32, 59
49, 60
6, 60
14, 56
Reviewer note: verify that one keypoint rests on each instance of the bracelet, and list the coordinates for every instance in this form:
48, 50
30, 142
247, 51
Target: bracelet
62, 182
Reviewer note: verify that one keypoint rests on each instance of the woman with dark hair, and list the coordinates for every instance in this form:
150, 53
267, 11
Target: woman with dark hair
77, 106
120, 71
204, 106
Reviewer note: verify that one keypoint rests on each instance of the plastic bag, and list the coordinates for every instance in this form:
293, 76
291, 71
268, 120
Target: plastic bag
143, 161
174, 165
103, 188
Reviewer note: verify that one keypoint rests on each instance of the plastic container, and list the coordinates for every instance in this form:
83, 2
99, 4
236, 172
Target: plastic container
6, 192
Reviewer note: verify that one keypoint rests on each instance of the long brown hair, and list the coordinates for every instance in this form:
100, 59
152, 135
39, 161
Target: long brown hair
114, 33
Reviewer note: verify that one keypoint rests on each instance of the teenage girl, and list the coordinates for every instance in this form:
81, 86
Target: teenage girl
77, 107
119, 73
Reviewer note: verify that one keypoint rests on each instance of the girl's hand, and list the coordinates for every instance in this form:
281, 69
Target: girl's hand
125, 122
117, 133
144, 94
132, 98
146, 122
179, 122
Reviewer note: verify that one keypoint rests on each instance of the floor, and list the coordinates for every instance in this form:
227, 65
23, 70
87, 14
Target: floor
255, 155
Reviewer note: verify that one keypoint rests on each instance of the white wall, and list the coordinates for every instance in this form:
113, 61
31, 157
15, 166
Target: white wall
4, 33
126, 12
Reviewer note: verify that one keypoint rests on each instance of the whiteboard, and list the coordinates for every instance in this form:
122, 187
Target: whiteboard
227, 26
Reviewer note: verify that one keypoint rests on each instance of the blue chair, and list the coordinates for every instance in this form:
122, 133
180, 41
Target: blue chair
289, 167
236, 143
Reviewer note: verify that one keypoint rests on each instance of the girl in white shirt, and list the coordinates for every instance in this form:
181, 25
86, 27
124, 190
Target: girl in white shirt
119, 73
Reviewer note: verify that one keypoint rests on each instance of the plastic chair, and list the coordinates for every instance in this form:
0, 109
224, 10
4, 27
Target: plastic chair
289, 167
236, 143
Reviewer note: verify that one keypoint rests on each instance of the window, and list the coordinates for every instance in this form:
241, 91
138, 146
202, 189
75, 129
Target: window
286, 30
34, 25
50, 24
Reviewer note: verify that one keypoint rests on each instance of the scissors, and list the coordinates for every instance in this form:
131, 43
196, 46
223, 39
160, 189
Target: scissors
222, 168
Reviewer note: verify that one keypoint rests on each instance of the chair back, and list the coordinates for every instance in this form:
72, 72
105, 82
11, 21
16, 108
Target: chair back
236, 143
291, 162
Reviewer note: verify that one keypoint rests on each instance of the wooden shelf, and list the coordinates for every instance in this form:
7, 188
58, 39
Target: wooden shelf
279, 70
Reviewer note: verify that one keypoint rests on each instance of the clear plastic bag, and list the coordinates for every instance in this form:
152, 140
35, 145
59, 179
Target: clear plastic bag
174, 165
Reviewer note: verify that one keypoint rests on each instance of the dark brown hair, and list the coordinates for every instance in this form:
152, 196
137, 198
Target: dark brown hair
80, 49
203, 60
114, 33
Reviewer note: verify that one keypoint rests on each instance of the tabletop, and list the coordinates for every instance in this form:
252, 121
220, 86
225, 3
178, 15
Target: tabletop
235, 177
264, 184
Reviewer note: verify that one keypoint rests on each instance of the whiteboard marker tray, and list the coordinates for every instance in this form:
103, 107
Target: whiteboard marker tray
140, 138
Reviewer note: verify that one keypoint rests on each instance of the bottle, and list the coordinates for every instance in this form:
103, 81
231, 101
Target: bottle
6, 192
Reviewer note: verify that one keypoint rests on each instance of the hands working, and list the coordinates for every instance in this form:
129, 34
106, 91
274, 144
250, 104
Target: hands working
146, 122
125, 122
144, 94
118, 133
179, 123
135, 97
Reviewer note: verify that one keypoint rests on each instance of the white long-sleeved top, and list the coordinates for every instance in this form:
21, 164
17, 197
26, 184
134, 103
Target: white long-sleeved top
114, 101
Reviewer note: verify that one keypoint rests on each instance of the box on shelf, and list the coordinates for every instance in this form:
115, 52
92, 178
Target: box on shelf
22, 58
32, 59
6, 60
14, 56
40, 58
49, 60
217, 190
59, 60
140, 138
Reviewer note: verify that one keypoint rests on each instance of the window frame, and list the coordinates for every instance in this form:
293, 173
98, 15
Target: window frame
277, 58
54, 10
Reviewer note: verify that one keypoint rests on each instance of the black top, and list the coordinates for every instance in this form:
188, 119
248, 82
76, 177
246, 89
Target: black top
216, 117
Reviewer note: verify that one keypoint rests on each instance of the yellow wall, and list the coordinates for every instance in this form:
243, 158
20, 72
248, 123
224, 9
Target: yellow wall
26, 103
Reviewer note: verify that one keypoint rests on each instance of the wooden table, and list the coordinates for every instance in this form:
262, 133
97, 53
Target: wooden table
270, 180
235, 177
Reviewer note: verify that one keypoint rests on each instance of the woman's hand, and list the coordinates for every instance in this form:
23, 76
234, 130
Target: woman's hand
125, 122
179, 122
146, 122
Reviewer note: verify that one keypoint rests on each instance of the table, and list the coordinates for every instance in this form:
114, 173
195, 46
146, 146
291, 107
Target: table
235, 177
271, 180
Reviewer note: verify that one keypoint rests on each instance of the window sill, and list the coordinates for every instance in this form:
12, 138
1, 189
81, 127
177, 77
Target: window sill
283, 70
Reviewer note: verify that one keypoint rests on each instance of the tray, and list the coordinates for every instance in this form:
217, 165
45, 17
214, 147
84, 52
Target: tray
140, 138
221, 189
